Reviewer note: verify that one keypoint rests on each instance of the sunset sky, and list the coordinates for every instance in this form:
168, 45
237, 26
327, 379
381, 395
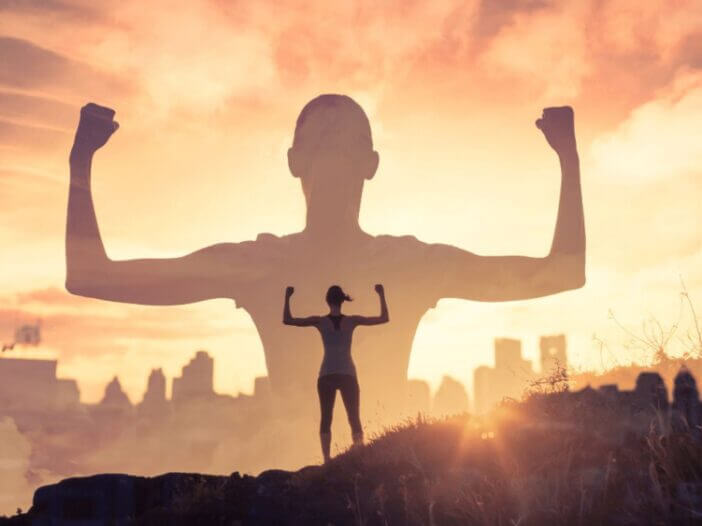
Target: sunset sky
207, 93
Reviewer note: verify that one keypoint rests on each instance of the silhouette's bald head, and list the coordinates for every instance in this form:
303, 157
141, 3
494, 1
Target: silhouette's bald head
332, 121
333, 129
332, 154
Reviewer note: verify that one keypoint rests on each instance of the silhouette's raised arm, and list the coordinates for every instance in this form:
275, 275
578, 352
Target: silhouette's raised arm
503, 278
204, 274
288, 319
375, 320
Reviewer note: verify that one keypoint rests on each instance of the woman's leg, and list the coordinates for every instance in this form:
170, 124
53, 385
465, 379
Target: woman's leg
350, 394
327, 393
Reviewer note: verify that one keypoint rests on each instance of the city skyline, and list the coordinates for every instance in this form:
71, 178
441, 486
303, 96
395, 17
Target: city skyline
511, 376
54, 435
532, 353
28, 352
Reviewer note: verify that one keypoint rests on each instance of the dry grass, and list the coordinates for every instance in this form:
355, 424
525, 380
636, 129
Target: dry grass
519, 467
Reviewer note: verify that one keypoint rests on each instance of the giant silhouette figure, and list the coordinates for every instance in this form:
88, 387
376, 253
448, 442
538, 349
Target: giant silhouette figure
332, 155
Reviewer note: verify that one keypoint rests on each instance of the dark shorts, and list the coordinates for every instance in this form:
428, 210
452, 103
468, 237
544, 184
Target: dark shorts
348, 385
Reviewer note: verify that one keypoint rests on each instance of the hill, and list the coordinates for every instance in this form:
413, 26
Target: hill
563, 458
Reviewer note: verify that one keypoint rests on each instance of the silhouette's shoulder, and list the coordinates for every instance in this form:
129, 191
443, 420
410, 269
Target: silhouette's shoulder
263, 247
410, 243
387, 238
400, 242
269, 245
262, 241
267, 237
283, 243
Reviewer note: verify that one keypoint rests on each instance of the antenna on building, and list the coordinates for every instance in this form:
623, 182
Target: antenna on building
27, 334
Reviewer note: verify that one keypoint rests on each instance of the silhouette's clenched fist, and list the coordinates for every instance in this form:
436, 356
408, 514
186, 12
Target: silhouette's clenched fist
289, 291
95, 128
559, 129
379, 289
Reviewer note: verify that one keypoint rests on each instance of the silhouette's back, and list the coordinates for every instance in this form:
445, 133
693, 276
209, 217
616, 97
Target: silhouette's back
381, 353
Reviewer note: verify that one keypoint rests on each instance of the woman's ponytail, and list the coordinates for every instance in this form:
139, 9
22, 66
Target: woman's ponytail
336, 296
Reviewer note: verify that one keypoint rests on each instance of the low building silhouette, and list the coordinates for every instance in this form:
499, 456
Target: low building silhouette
418, 398
113, 415
115, 397
67, 395
650, 392
643, 408
32, 385
451, 398
631, 413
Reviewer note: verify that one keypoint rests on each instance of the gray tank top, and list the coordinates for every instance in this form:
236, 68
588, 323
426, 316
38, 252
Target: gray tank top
337, 346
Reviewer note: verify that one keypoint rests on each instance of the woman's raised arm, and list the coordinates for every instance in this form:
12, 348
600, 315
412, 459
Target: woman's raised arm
288, 319
375, 320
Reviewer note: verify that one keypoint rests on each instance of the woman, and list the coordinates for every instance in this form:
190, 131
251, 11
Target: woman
338, 370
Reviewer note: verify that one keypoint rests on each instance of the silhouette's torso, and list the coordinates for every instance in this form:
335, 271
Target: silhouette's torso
381, 353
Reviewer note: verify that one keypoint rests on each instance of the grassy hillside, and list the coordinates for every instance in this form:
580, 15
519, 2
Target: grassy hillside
553, 459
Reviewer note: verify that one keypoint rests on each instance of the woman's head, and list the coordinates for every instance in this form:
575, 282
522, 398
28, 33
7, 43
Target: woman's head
336, 295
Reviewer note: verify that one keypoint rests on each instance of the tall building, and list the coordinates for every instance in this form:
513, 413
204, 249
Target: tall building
508, 379
67, 394
650, 391
31, 384
508, 354
483, 392
196, 379
687, 412
154, 403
